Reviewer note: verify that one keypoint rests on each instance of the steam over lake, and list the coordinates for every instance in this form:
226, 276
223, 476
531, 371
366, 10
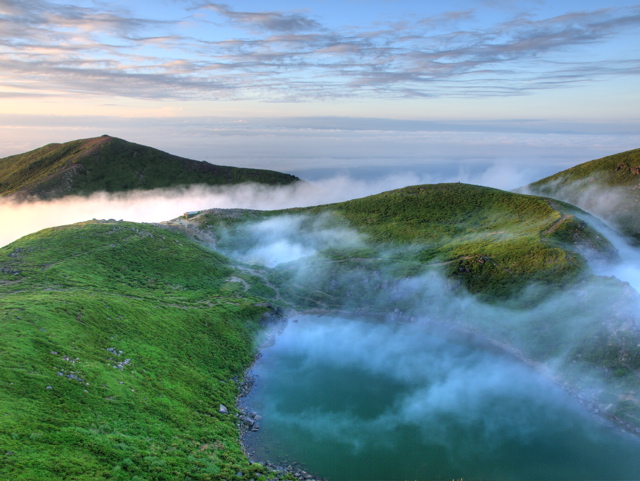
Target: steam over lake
354, 399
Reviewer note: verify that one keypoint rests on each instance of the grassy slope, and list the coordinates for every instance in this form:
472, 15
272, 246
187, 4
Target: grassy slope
609, 187
493, 242
109, 164
69, 294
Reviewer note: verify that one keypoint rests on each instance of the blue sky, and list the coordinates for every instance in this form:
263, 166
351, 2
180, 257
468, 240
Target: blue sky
470, 90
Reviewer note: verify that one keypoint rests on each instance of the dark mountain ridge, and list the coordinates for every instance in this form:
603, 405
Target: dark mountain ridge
105, 163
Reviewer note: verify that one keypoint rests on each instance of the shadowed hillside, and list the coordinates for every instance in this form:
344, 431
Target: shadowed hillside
608, 187
105, 163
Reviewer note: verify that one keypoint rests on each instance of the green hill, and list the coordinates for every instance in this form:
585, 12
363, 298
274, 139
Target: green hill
494, 243
119, 343
120, 340
608, 187
105, 163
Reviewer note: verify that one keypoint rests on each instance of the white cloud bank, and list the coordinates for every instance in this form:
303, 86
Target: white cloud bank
20, 219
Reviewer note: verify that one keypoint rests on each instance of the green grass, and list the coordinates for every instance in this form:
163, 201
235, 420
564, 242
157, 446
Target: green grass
72, 409
82, 167
613, 170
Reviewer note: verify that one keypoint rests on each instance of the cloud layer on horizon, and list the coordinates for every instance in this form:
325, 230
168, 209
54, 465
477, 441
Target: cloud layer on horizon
320, 147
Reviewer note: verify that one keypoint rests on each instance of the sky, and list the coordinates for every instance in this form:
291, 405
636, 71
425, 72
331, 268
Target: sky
493, 92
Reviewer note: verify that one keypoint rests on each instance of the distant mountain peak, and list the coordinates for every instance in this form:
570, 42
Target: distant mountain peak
106, 163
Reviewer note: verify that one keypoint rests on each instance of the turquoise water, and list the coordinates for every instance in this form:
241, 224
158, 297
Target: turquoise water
357, 400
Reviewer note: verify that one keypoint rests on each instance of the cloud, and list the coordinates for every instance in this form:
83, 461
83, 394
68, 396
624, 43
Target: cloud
160, 205
501, 153
288, 55
41, 21
448, 18
270, 21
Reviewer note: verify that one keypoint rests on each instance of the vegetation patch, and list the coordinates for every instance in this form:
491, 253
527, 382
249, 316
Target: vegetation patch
491, 242
121, 341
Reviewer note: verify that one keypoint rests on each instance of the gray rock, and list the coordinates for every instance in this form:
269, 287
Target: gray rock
247, 421
223, 409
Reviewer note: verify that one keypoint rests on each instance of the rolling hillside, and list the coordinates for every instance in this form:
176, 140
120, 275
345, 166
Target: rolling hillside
105, 163
121, 341
608, 187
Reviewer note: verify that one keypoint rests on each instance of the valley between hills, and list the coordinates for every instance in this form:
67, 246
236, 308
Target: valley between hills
120, 341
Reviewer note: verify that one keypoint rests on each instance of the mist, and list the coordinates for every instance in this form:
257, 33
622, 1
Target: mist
627, 268
461, 369
468, 381
354, 398
21, 218
287, 238
436, 377
296, 246
612, 210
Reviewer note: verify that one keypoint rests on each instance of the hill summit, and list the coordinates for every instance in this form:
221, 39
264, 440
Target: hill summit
82, 167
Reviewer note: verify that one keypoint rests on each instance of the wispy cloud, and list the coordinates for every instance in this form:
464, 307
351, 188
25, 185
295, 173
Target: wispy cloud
269, 21
291, 55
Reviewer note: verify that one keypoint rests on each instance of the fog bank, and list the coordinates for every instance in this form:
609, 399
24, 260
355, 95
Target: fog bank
20, 219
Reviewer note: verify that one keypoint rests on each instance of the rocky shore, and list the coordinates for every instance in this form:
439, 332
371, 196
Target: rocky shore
249, 422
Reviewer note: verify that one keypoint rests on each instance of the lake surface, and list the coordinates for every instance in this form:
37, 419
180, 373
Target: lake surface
353, 399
